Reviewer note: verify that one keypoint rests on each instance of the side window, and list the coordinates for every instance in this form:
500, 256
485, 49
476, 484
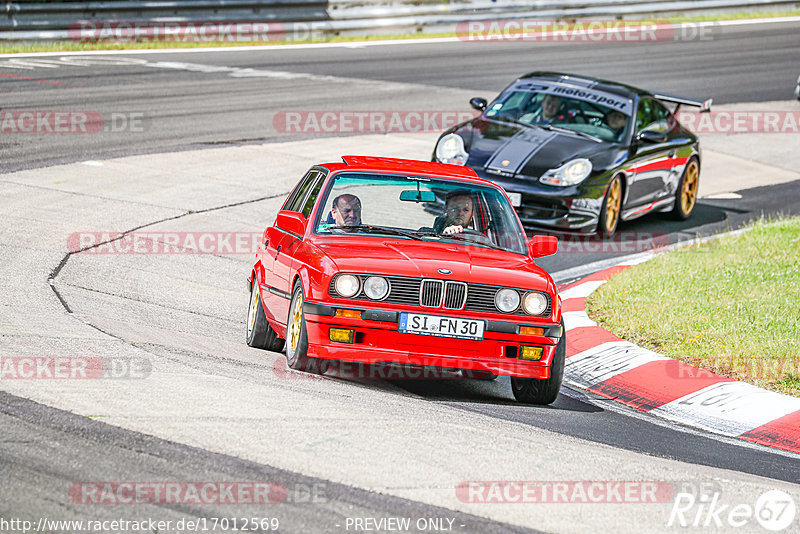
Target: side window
651, 115
311, 199
296, 198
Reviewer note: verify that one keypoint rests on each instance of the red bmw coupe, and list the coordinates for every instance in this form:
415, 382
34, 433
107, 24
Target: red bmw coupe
380, 260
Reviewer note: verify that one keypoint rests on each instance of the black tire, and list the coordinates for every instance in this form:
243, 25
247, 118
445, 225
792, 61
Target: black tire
609, 219
259, 333
543, 390
686, 193
297, 347
475, 374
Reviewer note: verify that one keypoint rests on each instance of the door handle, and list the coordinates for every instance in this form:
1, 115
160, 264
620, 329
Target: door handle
671, 153
278, 251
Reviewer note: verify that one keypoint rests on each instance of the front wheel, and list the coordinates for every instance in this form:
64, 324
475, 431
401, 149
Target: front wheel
543, 390
611, 210
260, 334
686, 194
297, 337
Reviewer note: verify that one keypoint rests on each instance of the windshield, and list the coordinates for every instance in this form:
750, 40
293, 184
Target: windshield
418, 208
604, 116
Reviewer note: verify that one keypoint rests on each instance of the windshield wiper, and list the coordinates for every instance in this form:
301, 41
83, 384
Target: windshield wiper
375, 229
585, 135
462, 237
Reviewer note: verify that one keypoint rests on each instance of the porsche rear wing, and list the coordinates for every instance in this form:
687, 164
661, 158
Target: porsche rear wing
704, 105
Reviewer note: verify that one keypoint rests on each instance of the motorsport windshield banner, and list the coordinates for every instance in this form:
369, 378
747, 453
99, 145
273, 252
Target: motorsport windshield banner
620, 103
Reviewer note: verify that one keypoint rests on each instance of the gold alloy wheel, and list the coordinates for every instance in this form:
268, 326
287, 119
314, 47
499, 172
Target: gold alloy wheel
297, 319
689, 190
613, 203
254, 302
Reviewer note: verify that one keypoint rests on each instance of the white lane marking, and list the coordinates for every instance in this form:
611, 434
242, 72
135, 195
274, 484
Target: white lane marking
730, 408
605, 361
350, 44
723, 196
92, 163
581, 290
636, 260
576, 319
72, 61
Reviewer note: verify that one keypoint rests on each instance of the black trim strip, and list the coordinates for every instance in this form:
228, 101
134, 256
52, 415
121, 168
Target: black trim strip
388, 316
278, 292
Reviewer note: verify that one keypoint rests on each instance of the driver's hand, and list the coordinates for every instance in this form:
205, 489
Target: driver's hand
456, 229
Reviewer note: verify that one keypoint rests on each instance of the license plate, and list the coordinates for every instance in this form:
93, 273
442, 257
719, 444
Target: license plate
436, 325
515, 198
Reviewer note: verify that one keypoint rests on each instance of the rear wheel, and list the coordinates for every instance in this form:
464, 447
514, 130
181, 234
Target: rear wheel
259, 333
611, 209
297, 338
543, 390
686, 194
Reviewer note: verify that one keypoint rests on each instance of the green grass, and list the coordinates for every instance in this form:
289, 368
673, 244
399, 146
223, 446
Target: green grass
14, 47
731, 306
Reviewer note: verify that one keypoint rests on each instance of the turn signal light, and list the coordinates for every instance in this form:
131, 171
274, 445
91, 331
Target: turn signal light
350, 314
341, 335
530, 353
531, 331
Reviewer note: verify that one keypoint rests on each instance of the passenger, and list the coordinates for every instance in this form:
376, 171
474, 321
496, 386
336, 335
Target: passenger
458, 213
346, 210
548, 112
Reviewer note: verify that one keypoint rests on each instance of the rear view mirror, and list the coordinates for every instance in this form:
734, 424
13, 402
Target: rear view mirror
542, 245
412, 195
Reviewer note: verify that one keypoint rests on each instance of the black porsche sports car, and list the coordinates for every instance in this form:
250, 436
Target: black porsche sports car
579, 154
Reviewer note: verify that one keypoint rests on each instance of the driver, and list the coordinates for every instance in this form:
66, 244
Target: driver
346, 210
458, 213
616, 121
549, 110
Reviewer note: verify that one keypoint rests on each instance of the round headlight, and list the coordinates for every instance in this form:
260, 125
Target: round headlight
571, 173
376, 287
347, 285
534, 303
450, 149
506, 300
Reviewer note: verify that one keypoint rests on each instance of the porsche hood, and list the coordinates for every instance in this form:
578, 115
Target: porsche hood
506, 149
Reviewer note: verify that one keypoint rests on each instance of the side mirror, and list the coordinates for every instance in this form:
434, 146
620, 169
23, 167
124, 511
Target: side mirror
542, 245
292, 222
478, 103
649, 136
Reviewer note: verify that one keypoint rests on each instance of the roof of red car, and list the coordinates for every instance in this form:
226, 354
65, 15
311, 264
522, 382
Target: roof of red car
409, 166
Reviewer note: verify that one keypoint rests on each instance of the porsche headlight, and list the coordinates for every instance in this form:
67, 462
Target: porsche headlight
347, 285
506, 300
376, 287
570, 173
450, 149
534, 303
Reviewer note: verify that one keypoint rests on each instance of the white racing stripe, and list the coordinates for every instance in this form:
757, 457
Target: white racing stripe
605, 361
730, 408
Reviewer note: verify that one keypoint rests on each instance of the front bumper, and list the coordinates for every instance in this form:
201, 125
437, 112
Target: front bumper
569, 209
378, 340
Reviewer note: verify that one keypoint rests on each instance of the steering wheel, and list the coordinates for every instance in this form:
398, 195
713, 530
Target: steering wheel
479, 237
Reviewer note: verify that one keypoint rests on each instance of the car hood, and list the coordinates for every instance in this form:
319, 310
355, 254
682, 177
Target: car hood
423, 259
508, 149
